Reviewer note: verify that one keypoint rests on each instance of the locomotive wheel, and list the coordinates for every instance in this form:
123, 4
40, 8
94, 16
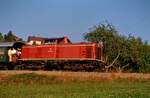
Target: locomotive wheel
20, 67
52, 66
89, 66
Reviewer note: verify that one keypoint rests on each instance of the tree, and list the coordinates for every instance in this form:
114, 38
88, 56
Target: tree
9, 37
1, 37
107, 34
122, 52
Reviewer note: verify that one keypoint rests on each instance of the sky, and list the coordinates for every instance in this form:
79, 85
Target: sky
72, 18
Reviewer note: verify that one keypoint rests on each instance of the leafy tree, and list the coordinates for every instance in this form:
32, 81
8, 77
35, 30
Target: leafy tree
9, 37
107, 34
1, 37
122, 52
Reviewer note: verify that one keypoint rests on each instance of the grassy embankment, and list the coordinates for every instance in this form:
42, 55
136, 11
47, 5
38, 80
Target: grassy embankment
73, 85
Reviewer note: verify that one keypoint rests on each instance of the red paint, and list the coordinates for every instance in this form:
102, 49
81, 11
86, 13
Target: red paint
63, 51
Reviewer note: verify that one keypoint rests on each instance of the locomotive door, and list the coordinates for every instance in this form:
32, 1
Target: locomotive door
82, 51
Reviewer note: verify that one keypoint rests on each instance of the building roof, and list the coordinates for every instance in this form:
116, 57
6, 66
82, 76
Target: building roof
9, 44
6, 44
35, 38
57, 38
45, 39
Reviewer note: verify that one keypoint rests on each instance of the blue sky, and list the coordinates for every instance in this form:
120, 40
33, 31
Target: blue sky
72, 18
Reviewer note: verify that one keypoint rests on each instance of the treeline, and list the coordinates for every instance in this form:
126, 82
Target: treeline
9, 37
123, 53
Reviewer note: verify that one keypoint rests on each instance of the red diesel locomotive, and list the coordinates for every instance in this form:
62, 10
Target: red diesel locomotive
53, 56
77, 56
82, 51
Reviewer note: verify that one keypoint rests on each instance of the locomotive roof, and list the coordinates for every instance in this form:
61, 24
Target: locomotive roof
70, 44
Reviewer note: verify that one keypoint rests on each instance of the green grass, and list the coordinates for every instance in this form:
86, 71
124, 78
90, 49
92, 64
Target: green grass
41, 86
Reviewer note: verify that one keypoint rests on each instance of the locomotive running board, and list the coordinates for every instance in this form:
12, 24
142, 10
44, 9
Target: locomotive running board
65, 59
